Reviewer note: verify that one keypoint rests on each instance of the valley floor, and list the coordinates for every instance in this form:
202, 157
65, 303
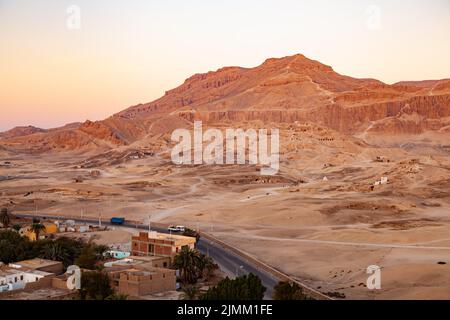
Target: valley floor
325, 233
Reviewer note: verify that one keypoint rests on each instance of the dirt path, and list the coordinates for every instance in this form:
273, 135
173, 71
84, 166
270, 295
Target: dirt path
344, 243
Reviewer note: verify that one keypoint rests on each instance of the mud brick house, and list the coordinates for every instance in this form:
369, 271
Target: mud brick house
159, 244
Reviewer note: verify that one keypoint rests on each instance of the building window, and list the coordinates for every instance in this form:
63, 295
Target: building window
165, 264
21, 277
151, 248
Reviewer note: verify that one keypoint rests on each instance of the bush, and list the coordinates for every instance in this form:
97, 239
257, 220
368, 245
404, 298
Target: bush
95, 285
248, 287
288, 291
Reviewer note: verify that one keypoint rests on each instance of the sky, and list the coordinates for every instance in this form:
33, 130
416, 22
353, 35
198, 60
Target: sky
66, 61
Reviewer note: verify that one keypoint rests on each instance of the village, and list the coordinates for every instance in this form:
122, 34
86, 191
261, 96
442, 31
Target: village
144, 267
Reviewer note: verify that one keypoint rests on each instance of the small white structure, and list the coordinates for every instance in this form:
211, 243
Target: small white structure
83, 229
384, 180
12, 278
116, 254
325, 179
70, 223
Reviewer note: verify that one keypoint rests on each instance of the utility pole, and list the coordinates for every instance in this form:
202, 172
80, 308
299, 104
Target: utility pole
35, 205
99, 219
212, 221
149, 224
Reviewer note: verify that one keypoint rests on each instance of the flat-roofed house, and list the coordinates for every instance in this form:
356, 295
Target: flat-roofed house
159, 244
142, 281
50, 266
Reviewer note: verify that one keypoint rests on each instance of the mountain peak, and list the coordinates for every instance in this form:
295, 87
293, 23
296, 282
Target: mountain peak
297, 62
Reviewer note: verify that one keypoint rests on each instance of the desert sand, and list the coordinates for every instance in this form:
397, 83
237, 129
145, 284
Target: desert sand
321, 219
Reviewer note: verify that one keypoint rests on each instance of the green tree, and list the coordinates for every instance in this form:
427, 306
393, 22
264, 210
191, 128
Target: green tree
90, 255
288, 291
188, 262
190, 292
206, 266
56, 251
14, 247
37, 228
192, 233
117, 296
95, 285
87, 258
5, 217
247, 287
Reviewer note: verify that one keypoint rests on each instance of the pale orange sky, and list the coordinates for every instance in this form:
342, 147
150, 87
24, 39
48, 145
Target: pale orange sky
128, 52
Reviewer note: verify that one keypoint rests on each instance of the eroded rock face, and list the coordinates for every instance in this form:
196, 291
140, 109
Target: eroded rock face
286, 90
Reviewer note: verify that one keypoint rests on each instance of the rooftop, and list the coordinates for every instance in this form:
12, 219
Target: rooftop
8, 271
169, 237
34, 263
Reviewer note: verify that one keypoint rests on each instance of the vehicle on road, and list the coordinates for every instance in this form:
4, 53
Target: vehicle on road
117, 220
176, 228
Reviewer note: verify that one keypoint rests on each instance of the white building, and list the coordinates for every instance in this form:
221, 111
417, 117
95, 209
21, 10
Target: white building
13, 279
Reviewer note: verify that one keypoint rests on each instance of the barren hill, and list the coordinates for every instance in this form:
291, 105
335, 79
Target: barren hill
283, 90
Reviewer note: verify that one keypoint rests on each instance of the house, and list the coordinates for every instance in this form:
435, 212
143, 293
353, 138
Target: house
14, 279
159, 244
34, 273
138, 281
117, 254
50, 228
45, 265
142, 261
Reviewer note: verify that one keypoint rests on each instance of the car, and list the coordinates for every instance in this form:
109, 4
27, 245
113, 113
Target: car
176, 228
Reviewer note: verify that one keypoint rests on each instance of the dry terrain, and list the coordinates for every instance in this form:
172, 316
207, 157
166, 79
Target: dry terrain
323, 231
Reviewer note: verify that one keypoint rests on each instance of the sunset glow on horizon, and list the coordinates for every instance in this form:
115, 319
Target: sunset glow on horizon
131, 52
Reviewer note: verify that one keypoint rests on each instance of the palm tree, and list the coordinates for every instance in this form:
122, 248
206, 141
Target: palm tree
208, 266
37, 228
56, 251
205, 266
5, 217
188, 262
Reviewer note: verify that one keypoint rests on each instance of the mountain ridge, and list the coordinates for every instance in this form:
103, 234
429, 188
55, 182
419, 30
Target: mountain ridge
287, 89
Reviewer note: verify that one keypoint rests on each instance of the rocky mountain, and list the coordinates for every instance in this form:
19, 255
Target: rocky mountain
20, 131
283, 90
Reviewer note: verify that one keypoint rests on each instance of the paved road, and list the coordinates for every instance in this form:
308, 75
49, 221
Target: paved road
228, 261
235, 265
